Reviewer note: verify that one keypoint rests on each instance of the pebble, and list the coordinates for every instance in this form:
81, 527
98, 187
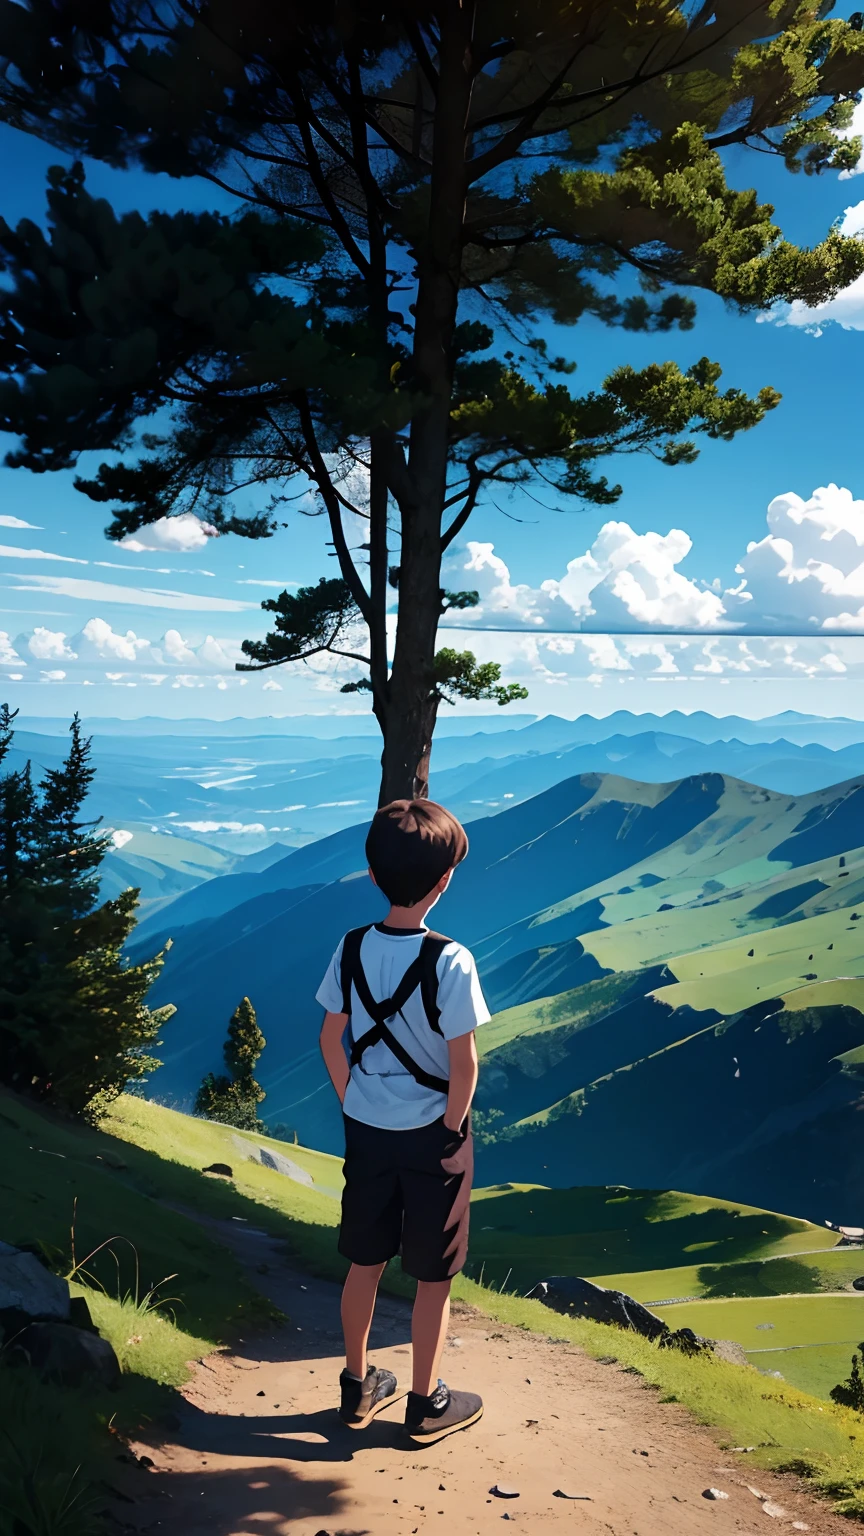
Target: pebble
776, 1511
569, 1493
798, 1525
714, 1493
504, 1491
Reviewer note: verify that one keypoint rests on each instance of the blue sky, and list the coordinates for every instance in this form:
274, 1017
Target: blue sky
134, 631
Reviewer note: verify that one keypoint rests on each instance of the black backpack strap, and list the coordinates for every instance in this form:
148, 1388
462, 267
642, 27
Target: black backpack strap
422, 972
431, 951
419, 1074
350, 963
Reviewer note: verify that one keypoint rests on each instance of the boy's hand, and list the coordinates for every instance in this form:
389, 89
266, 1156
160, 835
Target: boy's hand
463, 1080
335, 1060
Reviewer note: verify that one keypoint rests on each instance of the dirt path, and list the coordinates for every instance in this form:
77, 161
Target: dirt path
260, 1450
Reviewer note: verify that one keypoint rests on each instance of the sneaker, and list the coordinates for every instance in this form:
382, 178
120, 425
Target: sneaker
361, 1400
428, 1419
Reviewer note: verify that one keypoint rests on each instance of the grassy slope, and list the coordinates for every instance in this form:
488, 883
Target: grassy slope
535, 1231
164, 1153
810, 1340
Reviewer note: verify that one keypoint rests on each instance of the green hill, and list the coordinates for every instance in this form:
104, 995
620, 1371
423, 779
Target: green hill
532, 1231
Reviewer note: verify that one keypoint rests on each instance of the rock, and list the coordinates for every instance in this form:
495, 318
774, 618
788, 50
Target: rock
732, 1353
568, 1493
798, 1525
580, 1298
275, 1161
79, 1314
776, 1511
714, 1493
68, 1355
28, 1288
504, 1491
858, 1285
224, 1170
756, 1492
286, 1166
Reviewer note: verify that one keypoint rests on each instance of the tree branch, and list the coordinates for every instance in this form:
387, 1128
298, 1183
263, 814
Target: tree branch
329, 496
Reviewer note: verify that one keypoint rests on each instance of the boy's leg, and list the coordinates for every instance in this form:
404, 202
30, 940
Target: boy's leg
358, 1306
436, 1185
428, 1331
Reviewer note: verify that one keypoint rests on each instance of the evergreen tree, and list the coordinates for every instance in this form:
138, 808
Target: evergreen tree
850, 1393
234, 1099
74, 1026
422, 189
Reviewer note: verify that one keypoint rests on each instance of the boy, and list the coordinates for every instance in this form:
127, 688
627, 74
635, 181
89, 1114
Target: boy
410, 1000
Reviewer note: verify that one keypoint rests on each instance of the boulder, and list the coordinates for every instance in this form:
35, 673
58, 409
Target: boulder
224, 1170
275, 1161
27, 1288
858, 1285
728, 1350
579, 1298
71, 1356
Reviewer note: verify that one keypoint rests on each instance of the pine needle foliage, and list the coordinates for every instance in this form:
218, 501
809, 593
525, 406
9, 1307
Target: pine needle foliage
234, 1099
75, 1029
422, 190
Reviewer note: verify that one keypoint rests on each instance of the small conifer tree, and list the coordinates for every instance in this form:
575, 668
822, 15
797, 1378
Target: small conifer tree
234, 1099
850, 1393
74, 1025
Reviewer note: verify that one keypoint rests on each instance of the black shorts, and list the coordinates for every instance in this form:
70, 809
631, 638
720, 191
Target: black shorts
407, 1192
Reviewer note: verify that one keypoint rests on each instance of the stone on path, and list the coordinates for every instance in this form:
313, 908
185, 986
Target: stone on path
776, 1511
569, 1493
714, 1493
504, 1491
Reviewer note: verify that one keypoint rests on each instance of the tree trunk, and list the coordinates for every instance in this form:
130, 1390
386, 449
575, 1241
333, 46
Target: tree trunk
413, 699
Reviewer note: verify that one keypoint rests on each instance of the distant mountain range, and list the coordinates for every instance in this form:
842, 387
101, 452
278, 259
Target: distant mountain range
241, 795
664, 959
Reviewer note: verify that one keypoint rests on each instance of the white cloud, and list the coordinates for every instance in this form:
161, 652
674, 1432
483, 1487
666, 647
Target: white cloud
180, 535
6, 521
272, 687
46, 645
545, 661
12, 552
121, 837
224, 826
805, 576
54, 676
145, 597
8, 655
100, 651
625, 581
98, 642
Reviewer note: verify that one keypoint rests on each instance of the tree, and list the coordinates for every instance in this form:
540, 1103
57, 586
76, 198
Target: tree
234, 1099
424, 188
850, 1393
74, 1026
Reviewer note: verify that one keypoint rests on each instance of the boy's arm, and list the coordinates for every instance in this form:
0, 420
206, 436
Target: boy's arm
333, 1052
463, 1079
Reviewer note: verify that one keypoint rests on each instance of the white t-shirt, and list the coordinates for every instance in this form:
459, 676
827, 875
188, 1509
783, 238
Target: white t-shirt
380, 1090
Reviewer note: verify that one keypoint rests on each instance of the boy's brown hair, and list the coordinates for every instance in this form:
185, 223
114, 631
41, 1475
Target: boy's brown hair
411, 844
